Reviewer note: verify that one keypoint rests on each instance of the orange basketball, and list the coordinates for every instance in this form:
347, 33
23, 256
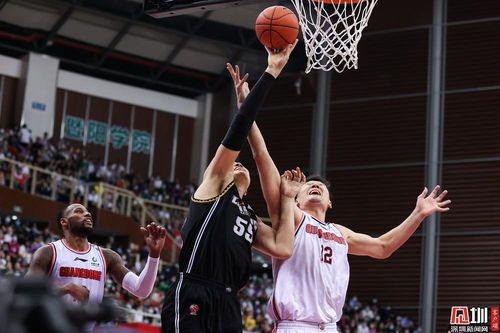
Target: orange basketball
276, 27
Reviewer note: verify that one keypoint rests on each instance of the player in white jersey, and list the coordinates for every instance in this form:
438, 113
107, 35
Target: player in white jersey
310, 287
78, 268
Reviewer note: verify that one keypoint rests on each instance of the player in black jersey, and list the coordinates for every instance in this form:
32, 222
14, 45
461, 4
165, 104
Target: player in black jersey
221, 229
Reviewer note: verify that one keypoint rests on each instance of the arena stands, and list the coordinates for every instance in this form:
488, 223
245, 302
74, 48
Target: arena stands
62, 158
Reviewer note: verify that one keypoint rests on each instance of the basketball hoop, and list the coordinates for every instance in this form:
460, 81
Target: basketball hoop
332, 30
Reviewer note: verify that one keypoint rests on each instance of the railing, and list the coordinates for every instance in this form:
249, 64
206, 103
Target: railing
134, 316
58, 183
101, 195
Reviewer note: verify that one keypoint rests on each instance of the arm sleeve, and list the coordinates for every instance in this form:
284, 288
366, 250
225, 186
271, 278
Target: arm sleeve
142, 285
242, 122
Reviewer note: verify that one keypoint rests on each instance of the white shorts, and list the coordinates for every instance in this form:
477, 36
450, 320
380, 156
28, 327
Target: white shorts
302, 327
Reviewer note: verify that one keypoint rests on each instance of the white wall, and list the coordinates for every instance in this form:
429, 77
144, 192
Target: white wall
111, 90
39, 95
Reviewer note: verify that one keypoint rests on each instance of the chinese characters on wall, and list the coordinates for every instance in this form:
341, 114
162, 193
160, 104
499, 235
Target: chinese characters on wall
97, 133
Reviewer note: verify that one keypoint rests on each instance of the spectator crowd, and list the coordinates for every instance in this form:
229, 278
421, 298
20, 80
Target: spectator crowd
64, 159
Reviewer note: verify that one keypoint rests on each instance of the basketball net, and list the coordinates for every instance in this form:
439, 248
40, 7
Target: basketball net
332, 30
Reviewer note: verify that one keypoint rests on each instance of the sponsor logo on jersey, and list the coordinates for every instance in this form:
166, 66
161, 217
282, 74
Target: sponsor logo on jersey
312, 229
94, 262
244, 209
194, 309
80, 259
80, 273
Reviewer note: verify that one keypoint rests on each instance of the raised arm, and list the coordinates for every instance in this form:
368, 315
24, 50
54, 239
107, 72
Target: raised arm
279, 243
142, 285
219, 172
268, 172
382, 247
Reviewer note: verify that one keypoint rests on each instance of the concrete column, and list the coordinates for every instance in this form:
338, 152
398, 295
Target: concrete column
37, 93
435, 116
201, 140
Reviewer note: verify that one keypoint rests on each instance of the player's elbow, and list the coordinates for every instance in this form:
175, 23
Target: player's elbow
384, 252
283, 254
383, 255
144, 294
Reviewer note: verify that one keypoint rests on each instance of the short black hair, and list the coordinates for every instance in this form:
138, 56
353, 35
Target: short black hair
62, 213
323, 180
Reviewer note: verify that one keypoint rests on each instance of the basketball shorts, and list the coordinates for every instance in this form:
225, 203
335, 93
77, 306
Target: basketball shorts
302, 327
194, 305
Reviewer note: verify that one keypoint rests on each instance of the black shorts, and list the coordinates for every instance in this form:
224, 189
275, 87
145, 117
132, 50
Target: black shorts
194, 305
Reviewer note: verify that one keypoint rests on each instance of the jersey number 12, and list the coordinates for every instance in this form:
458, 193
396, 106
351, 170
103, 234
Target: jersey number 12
326, 254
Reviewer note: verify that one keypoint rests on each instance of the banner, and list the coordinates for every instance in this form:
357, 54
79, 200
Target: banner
73, 128
97, 133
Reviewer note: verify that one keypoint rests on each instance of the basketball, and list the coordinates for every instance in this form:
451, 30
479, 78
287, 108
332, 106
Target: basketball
276, 27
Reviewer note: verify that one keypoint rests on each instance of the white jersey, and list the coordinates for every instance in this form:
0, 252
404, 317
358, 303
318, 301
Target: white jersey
81, 268
311, 285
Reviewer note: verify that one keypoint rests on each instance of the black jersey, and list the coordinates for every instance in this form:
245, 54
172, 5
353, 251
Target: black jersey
217, 239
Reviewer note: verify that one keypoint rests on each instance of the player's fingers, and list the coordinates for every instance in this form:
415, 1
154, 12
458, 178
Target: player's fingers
443, 209
155, 227
434, 191
424, 193
303, 178
230, 69
158, 230
245, 78
238, 72
299, 173
145, 232
444, 203
442, 195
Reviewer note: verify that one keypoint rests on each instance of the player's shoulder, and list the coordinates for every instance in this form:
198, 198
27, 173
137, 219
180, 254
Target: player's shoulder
110, 255
43, 254
346, 232
205, 195
44, 250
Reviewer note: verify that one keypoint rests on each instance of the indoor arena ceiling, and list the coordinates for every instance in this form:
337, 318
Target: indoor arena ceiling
115, 40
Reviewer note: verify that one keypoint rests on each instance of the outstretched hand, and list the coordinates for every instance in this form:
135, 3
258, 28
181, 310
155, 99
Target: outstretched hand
154, 236
291, 182
240, 83
276, 60
432, 203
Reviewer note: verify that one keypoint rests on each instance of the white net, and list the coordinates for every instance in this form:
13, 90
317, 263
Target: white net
332, 30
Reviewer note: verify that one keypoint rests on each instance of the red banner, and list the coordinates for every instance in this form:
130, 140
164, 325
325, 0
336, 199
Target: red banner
495, 319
